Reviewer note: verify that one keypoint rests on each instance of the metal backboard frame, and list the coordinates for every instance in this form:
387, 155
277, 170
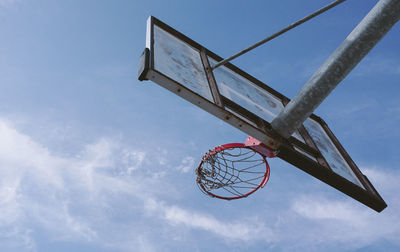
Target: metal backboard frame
313, 148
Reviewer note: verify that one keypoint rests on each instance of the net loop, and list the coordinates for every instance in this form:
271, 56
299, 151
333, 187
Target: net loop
232, 171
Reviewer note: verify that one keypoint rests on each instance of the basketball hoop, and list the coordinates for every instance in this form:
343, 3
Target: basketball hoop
234, 171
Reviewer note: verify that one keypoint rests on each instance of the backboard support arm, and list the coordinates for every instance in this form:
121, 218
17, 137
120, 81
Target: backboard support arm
358, 43
276, 34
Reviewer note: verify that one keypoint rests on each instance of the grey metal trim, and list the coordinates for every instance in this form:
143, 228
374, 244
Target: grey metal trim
144, 64
211, 79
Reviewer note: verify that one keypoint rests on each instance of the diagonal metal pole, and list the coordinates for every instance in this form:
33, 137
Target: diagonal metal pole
358, 43
301, 21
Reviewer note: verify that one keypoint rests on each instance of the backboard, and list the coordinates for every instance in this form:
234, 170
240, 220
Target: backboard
182, 66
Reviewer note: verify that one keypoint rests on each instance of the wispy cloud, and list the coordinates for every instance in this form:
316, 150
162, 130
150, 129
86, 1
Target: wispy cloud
343, 222
80, 199
240, 230
77, 198
37, 187
186, 165
133, 159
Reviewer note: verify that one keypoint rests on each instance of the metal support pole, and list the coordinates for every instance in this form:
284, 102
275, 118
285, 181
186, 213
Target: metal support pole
301, 21
361, 40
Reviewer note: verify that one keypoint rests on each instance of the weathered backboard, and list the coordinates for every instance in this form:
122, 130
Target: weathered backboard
182, 66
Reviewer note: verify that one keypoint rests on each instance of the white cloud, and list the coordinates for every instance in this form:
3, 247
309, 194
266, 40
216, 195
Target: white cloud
133, 159
187, 164
320, 208
234, 230
80, 198
162, 156
37, 187
77, 198
345, 222
9, 202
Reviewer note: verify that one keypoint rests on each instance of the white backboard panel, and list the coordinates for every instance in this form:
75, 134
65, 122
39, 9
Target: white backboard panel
181, 62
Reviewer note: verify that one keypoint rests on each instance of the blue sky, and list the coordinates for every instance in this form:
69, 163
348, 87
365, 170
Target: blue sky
91, 159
